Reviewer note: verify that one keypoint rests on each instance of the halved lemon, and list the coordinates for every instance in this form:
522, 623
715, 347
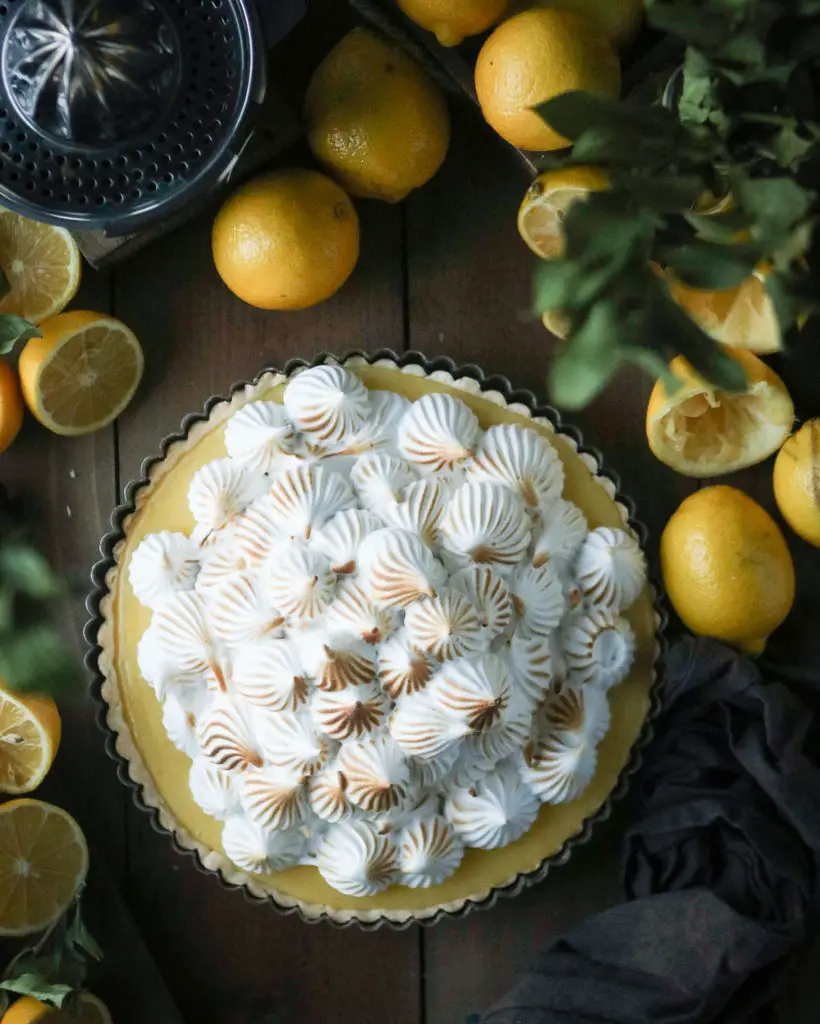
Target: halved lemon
743, 317
702, 431
548, 199
85, 1008
796, 481
82, 373
43, 863
29, 737
42, 265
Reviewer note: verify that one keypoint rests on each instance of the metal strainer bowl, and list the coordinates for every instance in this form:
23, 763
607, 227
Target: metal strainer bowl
116, 112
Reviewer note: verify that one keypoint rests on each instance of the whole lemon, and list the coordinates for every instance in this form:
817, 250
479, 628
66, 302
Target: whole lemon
375, 120
534, 57
797, 482
11, 406
452, 20
286, 240
620, 19
726, 567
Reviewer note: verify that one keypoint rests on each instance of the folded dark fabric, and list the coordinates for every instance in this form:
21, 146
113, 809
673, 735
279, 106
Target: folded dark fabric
721, 862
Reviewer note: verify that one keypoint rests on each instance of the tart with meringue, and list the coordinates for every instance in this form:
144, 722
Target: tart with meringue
373, 643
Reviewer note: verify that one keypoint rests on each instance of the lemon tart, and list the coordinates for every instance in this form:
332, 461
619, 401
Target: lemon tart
374, 641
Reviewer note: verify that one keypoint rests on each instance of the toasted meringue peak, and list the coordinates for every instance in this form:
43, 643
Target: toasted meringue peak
303, 499
475, 691
378, 433
419, 509
221, 490
599, 647
486, 524
398, 568
354, 712
327, 402
424, 729
562, 532
163, 564
561, 761
355, 613
300, 582
429, 773
508, 733
611, 568
258, 533
445, 626
258, 851
215, 791
335, 661
356, 860
261, 436
327, 791
377, 773
342, 537
179, 721
523, 460
496, 811
226, 739
489, 595
438, 433
274, 798
531, 666
269, 675
429, 852
402, 668
241, 611
379, 479
183, 638
289, 740
221, 561
538, 599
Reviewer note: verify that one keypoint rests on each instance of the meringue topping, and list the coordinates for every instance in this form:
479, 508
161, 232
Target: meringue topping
611, 568
382, 611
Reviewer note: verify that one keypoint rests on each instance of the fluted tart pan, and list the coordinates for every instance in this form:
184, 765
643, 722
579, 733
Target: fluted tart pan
157, 773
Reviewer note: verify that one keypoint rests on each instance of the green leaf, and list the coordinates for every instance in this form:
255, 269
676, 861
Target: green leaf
777, 204
705, 265
79, 937
36, 986
573, 113
590, 360
24, 569
14, 330
721, 227
790, 147
35, 659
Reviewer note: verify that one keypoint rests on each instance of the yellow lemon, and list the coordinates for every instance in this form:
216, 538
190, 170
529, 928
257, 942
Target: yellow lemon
743, 317
81, 1008
453, 20
533, 57
797, 482
11, 406
548, 199
42, 265
702, 431
45, 861
286, 240
726, 567
29, 738
82, 373
375, 120
620, 19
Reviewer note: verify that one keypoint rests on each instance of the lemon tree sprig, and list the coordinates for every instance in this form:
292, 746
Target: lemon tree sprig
740, 127
33, 656
55, 968
14, 330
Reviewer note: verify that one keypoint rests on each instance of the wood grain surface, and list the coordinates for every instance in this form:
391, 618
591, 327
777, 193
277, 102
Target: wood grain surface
445, 273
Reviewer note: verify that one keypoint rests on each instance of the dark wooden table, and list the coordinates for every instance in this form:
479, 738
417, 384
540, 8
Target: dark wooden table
444, 273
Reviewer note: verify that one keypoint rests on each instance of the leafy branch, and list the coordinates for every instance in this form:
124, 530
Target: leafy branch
742, 137
14, 330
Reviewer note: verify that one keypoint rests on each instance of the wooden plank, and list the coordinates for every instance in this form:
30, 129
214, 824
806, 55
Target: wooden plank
469, 289
226, 959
